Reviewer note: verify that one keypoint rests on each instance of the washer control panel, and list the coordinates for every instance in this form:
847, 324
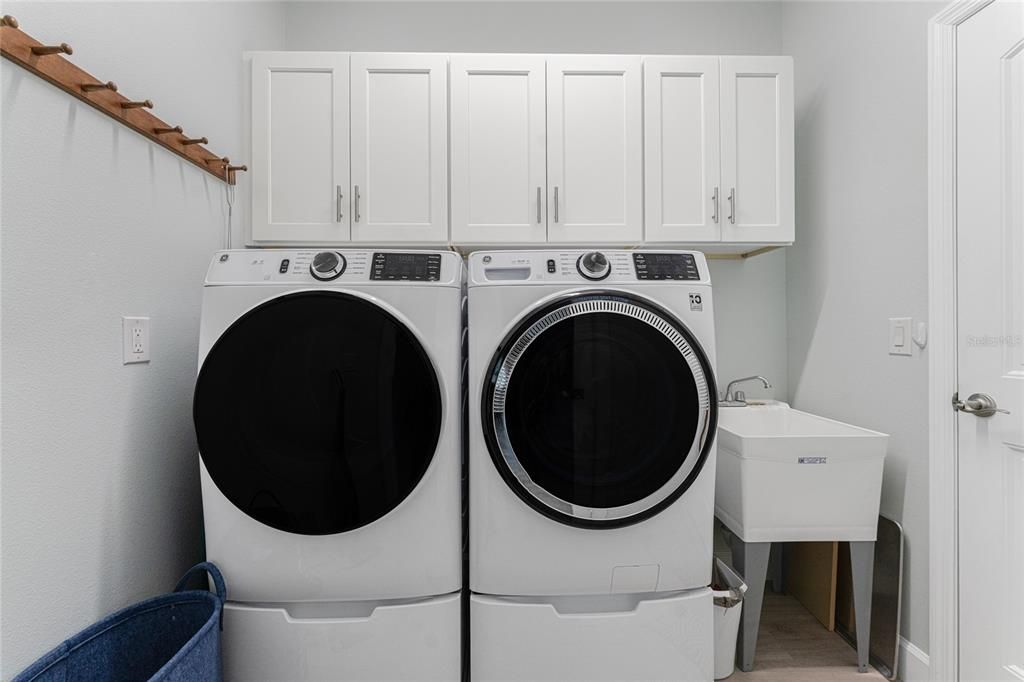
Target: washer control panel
587, 266
666, 266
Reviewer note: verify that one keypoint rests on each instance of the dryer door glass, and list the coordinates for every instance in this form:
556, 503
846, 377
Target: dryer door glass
317, 412
600, 410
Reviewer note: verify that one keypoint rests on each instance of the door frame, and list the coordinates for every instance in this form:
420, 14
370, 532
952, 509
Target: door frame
944, 663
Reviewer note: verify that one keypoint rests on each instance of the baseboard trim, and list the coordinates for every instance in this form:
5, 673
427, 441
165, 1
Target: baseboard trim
913, 665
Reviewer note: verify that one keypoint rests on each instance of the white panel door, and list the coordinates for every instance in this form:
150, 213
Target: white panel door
498, 143
990, 347
757, 149
682, 200
595, 137
400, 148
300, 162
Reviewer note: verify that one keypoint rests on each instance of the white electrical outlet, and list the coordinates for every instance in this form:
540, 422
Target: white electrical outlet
136, 339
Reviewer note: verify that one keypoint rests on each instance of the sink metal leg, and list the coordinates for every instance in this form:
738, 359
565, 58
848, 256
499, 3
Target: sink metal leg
862, 565
775, 562
751, 561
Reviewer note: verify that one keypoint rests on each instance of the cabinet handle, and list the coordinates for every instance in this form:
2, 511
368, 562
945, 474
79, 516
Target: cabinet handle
337, 200
714, 204
732, 205
356, 209
556, 203
538, 206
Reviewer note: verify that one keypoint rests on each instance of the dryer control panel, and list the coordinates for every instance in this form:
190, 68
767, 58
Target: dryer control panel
587, 267
410, 266
335, 266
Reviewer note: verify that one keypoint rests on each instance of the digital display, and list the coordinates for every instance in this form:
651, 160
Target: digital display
421, 267
682, 266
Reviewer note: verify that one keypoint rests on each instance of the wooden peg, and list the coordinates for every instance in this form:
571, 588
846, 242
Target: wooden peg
232, 169
144, 104
8, 20
43, 50
93, 87
164, 131
225, 161
197, 140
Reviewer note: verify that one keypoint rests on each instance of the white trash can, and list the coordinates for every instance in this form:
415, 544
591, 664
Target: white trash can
727, 588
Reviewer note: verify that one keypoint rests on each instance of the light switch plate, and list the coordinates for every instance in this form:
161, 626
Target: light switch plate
900, 342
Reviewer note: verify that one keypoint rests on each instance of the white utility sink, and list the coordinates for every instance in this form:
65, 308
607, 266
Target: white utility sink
789, 476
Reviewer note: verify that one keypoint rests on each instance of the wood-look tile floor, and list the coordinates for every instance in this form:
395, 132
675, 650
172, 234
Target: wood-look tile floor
792, 646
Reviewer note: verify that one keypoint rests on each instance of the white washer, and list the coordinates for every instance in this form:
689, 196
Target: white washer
592, 464
327, 413
592, 423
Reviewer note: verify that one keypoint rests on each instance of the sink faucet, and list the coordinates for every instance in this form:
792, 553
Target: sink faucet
737, 399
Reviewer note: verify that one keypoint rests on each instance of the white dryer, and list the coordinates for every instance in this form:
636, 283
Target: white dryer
327, 414
592, 464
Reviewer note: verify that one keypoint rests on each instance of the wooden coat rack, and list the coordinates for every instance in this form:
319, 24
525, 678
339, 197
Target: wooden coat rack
48, 62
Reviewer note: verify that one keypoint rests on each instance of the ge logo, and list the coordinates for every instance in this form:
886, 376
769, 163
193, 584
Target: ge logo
696, 303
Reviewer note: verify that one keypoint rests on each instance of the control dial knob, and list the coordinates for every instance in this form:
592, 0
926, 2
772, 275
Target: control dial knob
594, 265
327, 265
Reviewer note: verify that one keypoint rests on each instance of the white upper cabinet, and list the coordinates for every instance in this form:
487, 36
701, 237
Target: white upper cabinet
595, 173
399, 184
757, 149
300, 159
681, 149
498, 146
569, 149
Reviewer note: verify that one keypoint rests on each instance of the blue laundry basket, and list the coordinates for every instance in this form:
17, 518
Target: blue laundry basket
174, 637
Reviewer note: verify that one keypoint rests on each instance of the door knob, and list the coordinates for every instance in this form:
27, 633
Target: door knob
978, 404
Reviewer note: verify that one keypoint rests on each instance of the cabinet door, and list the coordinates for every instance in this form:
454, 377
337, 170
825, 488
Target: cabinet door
682, 200
757, 149
498, 141
300, 147
399, 148
594, 149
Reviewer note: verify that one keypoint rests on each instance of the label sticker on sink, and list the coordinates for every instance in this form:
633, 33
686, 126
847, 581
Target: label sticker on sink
812, 460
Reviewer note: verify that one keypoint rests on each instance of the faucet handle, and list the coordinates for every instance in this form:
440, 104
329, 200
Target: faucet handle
740, 397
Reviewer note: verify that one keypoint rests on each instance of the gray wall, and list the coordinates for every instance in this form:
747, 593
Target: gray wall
750, 321
100, 488
861, 244
580, 27
750, 297
99, 461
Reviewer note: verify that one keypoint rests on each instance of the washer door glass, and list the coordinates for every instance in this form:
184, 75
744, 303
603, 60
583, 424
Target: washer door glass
599, 410
317, 413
